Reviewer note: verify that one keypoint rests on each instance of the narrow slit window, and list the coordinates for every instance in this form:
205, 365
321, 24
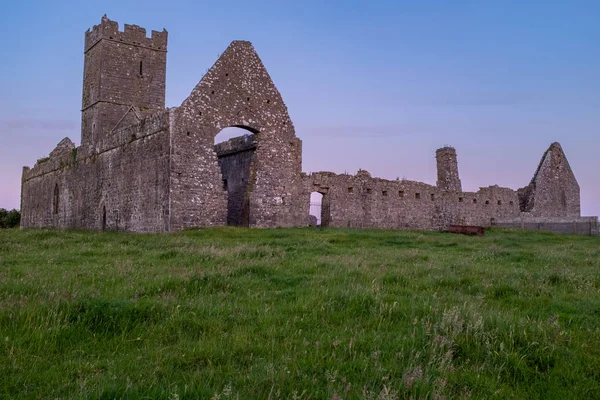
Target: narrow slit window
55, 202
432, 197
401, 194
224, 184
141, 68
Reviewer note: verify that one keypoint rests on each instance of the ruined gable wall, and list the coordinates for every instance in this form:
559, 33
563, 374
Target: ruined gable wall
236, 91
553, 190
360, 201
128, 177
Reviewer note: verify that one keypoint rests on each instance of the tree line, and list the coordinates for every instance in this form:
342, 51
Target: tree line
9, 219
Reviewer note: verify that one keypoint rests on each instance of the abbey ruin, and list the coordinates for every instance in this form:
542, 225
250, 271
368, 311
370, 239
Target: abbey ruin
144, 168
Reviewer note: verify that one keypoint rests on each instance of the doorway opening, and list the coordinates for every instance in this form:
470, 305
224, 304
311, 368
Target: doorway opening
318, 214
235, 148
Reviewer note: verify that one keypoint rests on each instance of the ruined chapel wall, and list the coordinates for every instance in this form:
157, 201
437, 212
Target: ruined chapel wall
553, 190
236, 91
360, 201
128, 177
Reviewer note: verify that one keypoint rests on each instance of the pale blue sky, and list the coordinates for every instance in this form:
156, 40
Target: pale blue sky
377, 85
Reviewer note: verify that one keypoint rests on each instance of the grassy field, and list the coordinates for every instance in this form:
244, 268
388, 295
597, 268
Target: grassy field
297, 314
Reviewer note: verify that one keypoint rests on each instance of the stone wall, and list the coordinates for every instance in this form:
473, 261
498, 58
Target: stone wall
123, 186
553, 190
360, 201
573, 225
237, 91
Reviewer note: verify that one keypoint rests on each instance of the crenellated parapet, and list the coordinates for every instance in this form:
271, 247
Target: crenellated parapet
131, 34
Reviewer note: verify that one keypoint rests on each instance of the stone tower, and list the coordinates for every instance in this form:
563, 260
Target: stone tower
447, 169
123, 80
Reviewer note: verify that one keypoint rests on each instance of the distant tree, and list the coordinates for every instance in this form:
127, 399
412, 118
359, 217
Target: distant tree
9, 219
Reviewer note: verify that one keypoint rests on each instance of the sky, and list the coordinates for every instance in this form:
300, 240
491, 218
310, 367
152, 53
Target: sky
377, 85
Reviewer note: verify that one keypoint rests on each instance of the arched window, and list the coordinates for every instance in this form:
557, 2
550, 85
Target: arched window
55, 201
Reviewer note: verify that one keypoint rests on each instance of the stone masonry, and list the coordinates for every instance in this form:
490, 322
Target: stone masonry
143, 168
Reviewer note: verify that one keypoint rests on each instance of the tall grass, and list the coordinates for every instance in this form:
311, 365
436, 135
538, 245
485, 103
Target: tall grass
297, 314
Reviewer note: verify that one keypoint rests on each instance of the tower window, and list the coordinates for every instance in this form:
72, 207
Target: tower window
141, 68
417, 196
432, 197
385, 193
401, 194
350, 190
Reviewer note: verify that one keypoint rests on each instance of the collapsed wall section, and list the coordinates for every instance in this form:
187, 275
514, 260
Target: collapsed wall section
123, 186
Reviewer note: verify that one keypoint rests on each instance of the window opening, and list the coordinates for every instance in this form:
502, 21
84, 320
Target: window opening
55, 202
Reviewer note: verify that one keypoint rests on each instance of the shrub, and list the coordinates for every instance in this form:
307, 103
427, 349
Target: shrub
9, 219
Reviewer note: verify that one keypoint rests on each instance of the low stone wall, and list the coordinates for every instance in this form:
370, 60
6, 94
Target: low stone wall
574, 225
361, 201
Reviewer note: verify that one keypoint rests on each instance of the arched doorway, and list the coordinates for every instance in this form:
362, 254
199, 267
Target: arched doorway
314, 212
235, 148
319, 209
